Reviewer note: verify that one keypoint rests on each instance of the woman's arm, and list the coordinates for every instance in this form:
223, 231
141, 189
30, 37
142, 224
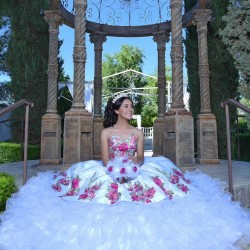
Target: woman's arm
139, 158
104, 147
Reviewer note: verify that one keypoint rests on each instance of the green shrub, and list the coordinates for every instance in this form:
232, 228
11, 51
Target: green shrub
7, 188
12, 152
244, 147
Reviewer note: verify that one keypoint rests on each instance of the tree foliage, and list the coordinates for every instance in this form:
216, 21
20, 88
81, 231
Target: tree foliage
27, 62
223, 74
24, 52
236, 34
128, 58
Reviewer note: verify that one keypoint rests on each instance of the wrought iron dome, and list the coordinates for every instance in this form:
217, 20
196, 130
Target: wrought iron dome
125, 18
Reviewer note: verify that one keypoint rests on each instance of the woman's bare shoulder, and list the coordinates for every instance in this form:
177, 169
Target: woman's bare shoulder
138, 132
106, 131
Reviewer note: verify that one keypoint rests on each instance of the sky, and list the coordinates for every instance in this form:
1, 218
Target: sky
110, 47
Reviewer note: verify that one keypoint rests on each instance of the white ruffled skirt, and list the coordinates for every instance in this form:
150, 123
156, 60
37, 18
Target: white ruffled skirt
200, 216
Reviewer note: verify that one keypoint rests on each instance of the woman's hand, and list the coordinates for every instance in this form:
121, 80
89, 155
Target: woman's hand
136, 160
122, 180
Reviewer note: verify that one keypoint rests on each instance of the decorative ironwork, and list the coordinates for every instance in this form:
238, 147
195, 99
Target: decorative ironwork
125, 12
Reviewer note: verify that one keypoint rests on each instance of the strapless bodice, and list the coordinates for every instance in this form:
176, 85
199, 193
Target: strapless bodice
119, 147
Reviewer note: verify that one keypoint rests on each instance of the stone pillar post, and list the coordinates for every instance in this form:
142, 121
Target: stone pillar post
160, 38
177, 54
98, 39
51, 121
206, 123
178, 124
78, 122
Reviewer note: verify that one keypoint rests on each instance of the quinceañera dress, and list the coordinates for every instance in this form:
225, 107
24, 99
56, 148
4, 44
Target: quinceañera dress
157, 207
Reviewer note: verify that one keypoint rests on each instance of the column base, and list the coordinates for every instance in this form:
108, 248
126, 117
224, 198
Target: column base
51, 139
207, 161
50, 161
78, 136
207, 139
158, 128
179, 138
98, 127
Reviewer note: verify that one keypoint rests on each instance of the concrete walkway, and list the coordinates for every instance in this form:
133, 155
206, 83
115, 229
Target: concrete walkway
241, 174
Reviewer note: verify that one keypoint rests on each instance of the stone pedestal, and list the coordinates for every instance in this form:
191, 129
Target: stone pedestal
178, 138
78, 137
207, 139
51, 139
158, 136
98, 127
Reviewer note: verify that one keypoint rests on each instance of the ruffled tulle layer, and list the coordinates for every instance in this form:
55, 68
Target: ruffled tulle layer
206, 218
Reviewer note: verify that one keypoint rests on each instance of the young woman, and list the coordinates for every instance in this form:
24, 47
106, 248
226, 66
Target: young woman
126, 201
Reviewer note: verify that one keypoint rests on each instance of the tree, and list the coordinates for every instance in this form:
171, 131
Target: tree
25, 59
129, 57
150, 103
223, 74
236, 34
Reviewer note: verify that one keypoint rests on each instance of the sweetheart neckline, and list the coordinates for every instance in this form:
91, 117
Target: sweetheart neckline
121, 137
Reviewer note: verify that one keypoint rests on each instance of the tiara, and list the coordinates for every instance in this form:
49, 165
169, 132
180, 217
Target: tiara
116, 97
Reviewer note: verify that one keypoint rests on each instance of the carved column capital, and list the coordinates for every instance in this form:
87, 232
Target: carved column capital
175, 3
79, 54
200, 18
98, 39
176, 53
54, 19
161, 38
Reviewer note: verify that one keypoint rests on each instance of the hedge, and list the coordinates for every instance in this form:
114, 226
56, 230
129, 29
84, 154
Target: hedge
244, 147
7, 188
12, 152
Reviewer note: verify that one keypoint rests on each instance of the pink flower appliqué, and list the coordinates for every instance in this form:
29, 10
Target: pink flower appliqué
123, 147
140, 194
110, 168
135, 169
64, 181
75, 182
89, 193
158, 181
113, 195
57, 187
183, 188
181, 175
123, 171
174, 179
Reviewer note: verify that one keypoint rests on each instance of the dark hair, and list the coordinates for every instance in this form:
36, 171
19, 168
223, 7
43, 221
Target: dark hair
110, 117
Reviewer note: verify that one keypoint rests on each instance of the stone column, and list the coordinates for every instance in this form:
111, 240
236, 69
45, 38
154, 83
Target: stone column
160, 38
178, 134
177, 54
78, 122
98, 39
51, 121
206, 123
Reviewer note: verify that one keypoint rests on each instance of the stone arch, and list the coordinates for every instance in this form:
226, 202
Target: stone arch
174, 136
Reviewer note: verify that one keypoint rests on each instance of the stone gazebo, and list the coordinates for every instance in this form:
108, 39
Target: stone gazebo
173, 130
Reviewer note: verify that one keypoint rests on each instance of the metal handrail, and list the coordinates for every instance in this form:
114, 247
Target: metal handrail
10, 108
229, 156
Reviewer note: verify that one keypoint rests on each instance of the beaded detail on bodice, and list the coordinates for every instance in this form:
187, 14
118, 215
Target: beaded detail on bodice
119, 147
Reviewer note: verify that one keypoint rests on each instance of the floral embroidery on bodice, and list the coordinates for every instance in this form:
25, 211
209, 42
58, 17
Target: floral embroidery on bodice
119, 147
